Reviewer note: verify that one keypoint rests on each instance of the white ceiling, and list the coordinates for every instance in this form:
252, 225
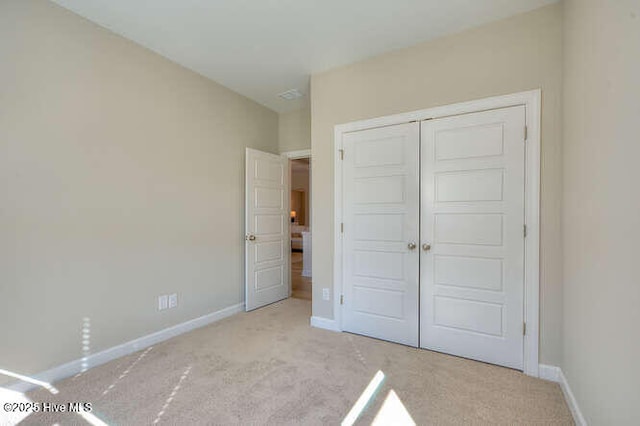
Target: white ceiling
260, 48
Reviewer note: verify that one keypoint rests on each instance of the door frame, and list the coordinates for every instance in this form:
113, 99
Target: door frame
532, 102
295, 155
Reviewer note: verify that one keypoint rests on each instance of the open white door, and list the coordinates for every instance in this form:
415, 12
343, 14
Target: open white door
472, 235
267, 229
380, 232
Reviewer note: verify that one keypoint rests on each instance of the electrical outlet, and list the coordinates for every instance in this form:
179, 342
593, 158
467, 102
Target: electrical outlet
173, 300
163, 302
325, 294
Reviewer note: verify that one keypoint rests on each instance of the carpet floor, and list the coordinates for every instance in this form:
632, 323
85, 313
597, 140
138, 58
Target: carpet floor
270, 367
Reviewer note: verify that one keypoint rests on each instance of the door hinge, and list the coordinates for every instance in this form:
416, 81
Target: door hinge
524, 231
342, 228
341, 299
341, 154
524, 328
526, 133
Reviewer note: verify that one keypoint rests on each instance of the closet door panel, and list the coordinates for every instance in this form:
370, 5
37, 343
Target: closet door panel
380, 214
472, 219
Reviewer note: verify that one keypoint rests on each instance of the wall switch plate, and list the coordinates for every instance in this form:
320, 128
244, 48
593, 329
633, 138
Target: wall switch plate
173, 300
325, 294
163, 302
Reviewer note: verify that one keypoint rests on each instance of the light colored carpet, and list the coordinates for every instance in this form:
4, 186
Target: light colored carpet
269, 367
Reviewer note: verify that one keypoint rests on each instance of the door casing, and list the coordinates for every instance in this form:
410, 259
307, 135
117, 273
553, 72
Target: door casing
531, 101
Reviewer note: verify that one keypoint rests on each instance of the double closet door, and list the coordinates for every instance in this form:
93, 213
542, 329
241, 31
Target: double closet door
433, 241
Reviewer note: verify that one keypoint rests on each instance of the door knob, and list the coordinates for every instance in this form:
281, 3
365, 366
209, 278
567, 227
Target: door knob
426, 247
250, 237
411, 246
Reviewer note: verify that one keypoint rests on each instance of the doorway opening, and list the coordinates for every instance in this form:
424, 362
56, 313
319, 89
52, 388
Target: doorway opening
277, 221
300, 226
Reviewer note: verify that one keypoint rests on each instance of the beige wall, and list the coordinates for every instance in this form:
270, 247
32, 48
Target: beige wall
602, 209
121, 178
294, 130
517, 54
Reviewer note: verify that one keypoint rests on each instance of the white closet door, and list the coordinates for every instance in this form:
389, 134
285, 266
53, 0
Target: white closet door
380, 214
472, 216
267, 229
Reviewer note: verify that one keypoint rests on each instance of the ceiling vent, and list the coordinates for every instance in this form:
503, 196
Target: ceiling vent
290, 94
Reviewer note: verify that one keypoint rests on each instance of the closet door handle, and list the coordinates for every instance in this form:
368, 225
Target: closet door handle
426, 247
411, 246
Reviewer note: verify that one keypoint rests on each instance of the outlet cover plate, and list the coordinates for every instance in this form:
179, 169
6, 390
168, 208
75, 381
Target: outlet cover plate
325, 294
173, 300
163, 302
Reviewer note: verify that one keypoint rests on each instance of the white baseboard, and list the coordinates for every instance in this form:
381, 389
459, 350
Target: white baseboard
74, 367
549, 372
555, 374
327, 324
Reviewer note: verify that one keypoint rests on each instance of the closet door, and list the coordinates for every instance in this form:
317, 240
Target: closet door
472, 241
380, 237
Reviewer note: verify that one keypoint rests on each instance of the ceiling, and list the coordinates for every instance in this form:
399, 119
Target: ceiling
260, 48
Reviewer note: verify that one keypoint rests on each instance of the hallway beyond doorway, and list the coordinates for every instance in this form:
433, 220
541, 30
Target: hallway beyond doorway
300, 286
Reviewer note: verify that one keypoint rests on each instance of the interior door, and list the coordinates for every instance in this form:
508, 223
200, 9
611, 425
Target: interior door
267, 229
380, 232
472, 254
